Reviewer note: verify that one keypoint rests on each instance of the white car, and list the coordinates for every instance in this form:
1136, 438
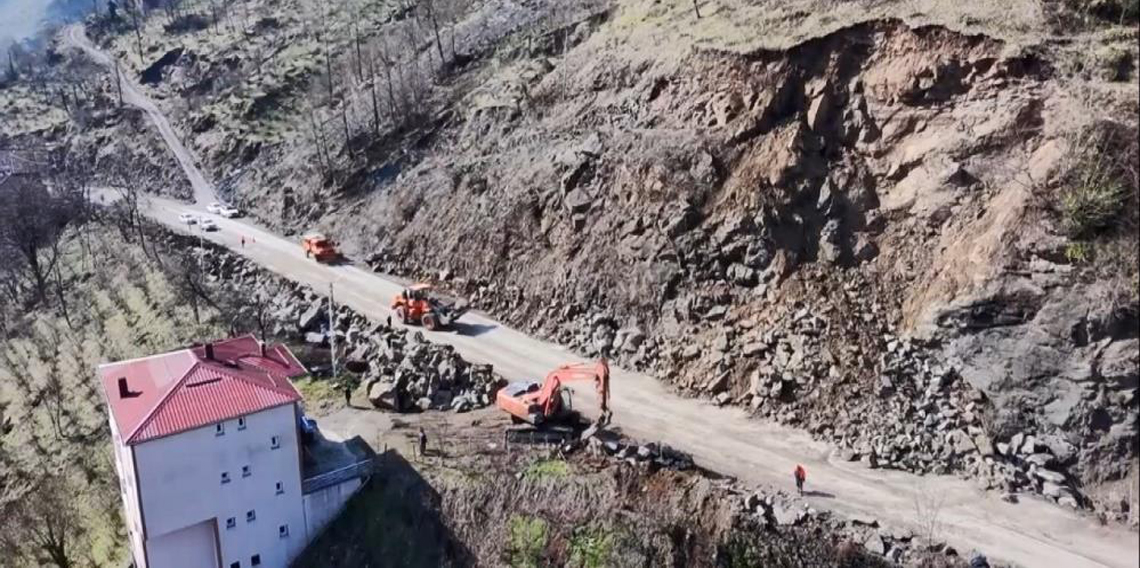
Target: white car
215, 207
187, 218
207, 224
229, 212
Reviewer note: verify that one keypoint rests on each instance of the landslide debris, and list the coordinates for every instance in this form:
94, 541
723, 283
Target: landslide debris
847, 236
396, 369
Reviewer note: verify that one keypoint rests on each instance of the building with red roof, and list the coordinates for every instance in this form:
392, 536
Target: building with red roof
165, 394
210, 459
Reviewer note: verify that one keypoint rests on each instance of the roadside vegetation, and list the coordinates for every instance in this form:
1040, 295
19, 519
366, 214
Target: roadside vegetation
528, 537
592, 546
1098, 203
547, 469
59, 503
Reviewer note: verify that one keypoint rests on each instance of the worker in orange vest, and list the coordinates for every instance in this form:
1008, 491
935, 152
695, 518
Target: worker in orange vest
801, 475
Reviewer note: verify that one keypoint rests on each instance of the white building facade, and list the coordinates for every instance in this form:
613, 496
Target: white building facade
227, 494
209, 457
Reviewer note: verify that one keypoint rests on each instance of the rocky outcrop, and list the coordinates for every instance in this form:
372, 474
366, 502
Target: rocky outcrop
825, 245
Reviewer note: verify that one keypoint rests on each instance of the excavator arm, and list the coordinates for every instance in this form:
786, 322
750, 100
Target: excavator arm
598, 372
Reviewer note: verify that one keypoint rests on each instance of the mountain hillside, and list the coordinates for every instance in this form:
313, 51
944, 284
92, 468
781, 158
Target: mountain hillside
908, 227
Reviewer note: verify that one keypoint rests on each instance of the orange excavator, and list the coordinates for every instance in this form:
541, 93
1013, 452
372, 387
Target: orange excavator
547, 407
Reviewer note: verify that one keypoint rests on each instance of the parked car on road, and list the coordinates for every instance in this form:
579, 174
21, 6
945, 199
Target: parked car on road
215, 207
229, 212
187, 218
208, 224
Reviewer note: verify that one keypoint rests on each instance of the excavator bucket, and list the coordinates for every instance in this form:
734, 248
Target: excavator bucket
598, 425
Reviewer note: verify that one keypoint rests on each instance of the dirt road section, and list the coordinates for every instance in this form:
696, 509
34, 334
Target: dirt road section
1031, 533
132, 95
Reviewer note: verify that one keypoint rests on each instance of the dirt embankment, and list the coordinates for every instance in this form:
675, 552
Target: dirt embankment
473, 502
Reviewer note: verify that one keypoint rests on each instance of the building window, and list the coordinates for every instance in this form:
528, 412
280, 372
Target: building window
245, 471
235, 564
250, 516
280, 488
255, 560
219, 428
225, 477
241, 423
275, 442
231, 523
283, 531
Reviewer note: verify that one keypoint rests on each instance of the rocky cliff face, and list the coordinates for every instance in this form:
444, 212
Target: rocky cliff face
848, 235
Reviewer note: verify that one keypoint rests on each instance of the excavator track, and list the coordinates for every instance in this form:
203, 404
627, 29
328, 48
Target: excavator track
553, 435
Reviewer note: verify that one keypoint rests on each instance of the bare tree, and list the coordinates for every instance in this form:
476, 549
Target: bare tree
42, 527
429, 6
32, 219
928, 503
251, 310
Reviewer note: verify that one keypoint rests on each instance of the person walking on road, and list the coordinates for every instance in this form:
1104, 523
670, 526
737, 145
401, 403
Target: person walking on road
347, 395
423, 442
243, 241
801, 475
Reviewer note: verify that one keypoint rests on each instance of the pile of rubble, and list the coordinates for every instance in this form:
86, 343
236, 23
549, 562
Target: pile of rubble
777, 510
398, 369
652, 455
878, 397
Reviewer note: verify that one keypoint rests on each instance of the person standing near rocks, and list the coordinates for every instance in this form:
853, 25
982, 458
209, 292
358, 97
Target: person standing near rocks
801, 475
423, 442
347, 395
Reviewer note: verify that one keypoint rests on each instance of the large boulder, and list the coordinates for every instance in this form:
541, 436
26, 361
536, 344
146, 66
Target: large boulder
310, 318
384, 394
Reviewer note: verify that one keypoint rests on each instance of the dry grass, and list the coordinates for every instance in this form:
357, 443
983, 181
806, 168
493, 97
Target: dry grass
748, 25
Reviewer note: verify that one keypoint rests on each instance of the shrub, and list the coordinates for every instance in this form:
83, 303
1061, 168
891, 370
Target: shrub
1099, 193
1113, 63
547, 469
1079, 252
527, 541
1113, 11
1091, 205
591, 547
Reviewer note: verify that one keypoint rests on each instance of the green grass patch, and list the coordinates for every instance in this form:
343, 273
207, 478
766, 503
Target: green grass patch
319, 393
591, 547
1079, 252
1092, 203
527, 541
547, 469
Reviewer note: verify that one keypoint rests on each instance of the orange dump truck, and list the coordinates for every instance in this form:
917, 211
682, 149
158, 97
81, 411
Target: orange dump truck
320, 247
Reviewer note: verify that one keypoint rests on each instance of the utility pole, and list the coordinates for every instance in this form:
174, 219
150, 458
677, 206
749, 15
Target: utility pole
332, 329
201, 248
